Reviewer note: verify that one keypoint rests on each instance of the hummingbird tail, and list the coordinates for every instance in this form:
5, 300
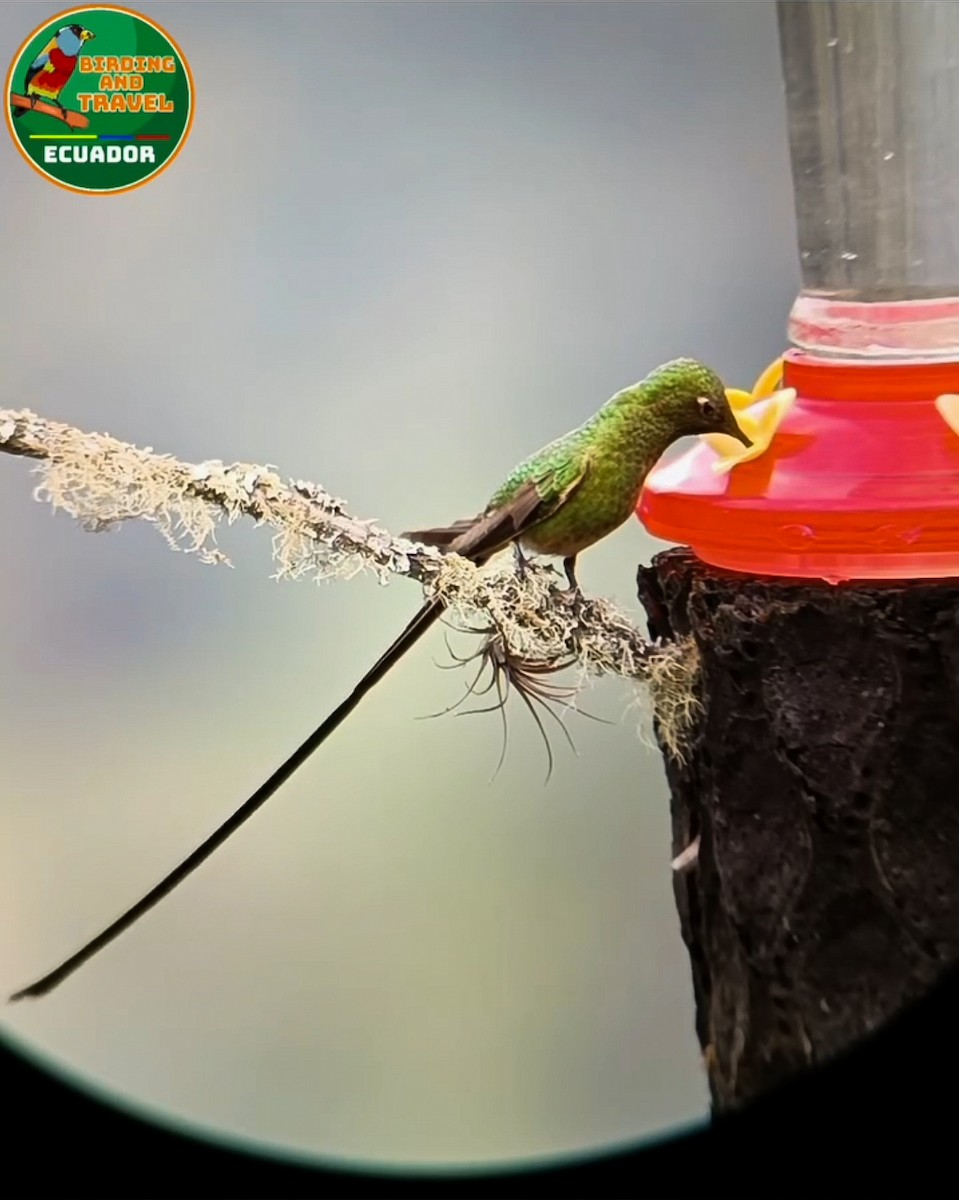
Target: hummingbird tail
424, 619
477, 540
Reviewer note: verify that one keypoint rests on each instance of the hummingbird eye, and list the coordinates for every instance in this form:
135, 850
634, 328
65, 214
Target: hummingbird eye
707, 407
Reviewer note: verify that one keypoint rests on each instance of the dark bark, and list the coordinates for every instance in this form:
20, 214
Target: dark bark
823, 782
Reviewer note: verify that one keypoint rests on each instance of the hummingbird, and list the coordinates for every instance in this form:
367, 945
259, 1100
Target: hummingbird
558, 502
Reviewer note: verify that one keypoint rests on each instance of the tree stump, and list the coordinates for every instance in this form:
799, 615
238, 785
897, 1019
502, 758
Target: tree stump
822, 780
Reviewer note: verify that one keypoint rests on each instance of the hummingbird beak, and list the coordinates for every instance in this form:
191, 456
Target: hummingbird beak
735, 431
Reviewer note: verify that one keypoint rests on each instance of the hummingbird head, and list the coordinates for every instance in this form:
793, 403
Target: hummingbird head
693, 399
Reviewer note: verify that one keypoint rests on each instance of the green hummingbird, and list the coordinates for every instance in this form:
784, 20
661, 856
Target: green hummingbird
559, 501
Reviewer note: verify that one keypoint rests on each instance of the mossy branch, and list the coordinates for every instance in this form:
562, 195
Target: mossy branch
102, 481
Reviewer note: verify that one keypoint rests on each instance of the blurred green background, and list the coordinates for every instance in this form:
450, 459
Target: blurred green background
405, 245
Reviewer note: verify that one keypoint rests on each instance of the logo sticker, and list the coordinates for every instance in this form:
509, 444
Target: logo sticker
99, 100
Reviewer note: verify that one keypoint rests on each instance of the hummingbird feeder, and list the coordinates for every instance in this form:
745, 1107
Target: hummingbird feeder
856, 475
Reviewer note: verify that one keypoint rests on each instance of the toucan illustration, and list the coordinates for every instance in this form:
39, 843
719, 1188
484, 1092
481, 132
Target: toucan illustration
50, 71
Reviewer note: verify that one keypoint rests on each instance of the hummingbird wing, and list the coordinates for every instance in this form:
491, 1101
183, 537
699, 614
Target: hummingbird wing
484, 535
441, 535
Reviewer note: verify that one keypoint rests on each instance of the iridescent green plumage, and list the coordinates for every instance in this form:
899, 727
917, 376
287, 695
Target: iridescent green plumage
613, 451
559, 501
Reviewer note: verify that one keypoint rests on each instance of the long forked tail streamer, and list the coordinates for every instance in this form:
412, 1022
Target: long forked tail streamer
423, 620
478, 541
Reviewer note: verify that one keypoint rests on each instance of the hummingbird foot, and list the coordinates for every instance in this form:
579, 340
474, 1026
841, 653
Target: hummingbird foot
572, 598
576, 601
569, 566
522, 563
574, 593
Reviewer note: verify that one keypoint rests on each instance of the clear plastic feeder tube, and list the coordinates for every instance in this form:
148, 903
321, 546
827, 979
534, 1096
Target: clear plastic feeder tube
872, 93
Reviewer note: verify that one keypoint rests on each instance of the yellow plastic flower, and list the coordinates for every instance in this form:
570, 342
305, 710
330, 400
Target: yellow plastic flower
948, 408
758, 414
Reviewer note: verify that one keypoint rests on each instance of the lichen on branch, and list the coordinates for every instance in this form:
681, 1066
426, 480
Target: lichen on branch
102, 482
